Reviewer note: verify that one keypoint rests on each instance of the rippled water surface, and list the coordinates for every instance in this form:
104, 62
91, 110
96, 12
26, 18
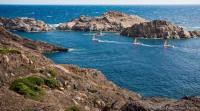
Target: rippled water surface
186, 16
148, 68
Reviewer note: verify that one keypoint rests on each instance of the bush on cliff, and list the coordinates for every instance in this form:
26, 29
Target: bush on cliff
52, 71
9, 51
52, 83
31, 87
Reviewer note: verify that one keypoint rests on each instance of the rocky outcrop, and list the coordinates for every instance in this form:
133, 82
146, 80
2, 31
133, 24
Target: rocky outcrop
158, 29
8, 38
109, 21
163, 104
79, 88
195, 33
112, 21
25, 24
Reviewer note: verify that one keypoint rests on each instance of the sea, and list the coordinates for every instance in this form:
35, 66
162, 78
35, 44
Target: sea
148, 68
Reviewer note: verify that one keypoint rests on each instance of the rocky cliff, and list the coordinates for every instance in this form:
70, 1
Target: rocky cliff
158, 29
25, 24
109, 21
112, 21
31, 82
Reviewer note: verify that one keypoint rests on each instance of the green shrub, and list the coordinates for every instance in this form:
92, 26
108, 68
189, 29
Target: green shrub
52, 83
9, 51
29, 87
30, 45
52, 71
35, 80
73, 108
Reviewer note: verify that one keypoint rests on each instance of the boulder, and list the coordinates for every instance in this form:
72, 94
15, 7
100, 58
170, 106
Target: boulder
157, 29
25, 24
111, 21
195, 33
163, 104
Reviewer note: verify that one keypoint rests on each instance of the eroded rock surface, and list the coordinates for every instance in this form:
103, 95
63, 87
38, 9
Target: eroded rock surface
109, 21
195, 33
25, 24
158, 29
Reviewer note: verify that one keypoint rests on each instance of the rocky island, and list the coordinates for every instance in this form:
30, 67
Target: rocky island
158, 29
25, 24
111, 21
31, 82
128, 25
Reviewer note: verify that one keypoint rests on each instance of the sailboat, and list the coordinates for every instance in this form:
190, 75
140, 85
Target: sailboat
94, 38
165, 43
135, 42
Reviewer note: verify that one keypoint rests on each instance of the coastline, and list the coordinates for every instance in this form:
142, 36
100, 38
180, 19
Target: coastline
30, 80
101, 94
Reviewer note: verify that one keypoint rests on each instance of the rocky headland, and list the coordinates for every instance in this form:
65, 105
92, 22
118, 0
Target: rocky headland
25, 24
31, 82
111, 21
158, 29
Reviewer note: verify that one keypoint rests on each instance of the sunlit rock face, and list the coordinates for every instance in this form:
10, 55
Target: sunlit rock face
157, 29
25, 24
111, 21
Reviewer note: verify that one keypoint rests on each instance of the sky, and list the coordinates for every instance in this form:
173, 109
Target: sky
99, 2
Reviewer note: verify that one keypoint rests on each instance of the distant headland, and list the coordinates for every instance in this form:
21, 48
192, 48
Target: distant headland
111, 21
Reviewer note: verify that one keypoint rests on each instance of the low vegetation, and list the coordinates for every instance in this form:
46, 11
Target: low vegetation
52, 83
31, 87
53, 72
9, 51
73, 108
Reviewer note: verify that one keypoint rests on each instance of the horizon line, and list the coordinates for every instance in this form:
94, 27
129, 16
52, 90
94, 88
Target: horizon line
97, 4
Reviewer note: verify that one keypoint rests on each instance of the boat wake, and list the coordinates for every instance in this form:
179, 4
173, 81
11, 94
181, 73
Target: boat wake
187, 50
72, 49
147, 45
183, 49
115, 42
103, 34
136, 44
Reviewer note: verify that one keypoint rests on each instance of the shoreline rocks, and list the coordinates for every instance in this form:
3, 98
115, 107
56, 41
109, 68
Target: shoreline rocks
42, 47
111, 21
25, 24
195, 33
158, 29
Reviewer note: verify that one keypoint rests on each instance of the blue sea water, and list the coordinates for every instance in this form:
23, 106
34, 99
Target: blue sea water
148, 69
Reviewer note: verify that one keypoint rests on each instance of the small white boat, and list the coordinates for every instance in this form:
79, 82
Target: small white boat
166, 44
135, 42
94, 39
